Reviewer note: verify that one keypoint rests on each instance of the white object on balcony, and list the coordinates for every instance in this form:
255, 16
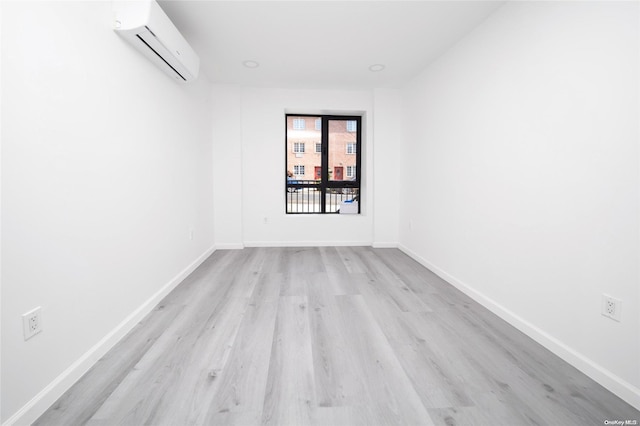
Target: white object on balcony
349, 207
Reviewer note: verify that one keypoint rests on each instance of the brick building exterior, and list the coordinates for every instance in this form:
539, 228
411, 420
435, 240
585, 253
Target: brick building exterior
304, 155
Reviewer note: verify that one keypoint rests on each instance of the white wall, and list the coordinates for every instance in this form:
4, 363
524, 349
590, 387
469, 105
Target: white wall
260, 169
387, 140
106, 165
1, 101
227, 160
521, 176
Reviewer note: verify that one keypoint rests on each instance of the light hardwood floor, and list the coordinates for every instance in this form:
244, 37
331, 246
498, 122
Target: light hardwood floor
328, 336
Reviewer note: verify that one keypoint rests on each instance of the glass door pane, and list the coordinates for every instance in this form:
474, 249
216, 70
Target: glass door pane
342, 143
342, 148
304, 159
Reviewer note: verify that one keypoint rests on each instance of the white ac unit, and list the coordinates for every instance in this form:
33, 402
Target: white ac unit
145, 25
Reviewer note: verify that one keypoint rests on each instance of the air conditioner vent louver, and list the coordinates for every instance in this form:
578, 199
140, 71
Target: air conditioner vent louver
160, 56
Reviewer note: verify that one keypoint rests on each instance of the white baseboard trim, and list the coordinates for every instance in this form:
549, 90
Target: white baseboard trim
230, 246
306, 243
384, 245
620, 387
33, 409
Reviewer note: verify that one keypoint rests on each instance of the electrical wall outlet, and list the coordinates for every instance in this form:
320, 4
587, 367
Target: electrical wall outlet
611, 307
32, 323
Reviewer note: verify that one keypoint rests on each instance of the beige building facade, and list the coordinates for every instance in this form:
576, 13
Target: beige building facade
304, 148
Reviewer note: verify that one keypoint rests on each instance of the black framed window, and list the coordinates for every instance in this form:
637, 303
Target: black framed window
328, 179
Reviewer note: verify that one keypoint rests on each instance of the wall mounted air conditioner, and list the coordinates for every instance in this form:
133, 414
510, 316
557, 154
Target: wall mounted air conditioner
145, 25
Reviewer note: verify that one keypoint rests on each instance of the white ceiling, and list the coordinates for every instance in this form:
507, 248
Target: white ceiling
322, 44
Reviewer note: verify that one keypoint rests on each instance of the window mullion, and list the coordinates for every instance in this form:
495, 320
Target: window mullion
358, 160
324, 164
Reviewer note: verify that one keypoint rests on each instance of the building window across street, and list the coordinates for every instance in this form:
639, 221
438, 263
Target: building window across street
328, 179
298, 170
298, 124
298, 147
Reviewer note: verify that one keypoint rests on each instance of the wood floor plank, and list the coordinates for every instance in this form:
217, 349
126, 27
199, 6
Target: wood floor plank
344, 416
391, 316
242, 382
201, 365
215, 272
332, 261
389, 390
303, 260
335, 367
418, 278
351, 260
138, 396
491, 410
290, 394
328, 336
294, 284
430, 356
232, 418
389, 292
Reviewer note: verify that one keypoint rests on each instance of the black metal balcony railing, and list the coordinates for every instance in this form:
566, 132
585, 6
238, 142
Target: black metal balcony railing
305, 196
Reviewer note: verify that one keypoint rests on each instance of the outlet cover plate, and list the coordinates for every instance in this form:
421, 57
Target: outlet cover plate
32, 323
611, 307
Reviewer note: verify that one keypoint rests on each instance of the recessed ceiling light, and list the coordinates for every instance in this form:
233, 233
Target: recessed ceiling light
376, 67
251, 64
